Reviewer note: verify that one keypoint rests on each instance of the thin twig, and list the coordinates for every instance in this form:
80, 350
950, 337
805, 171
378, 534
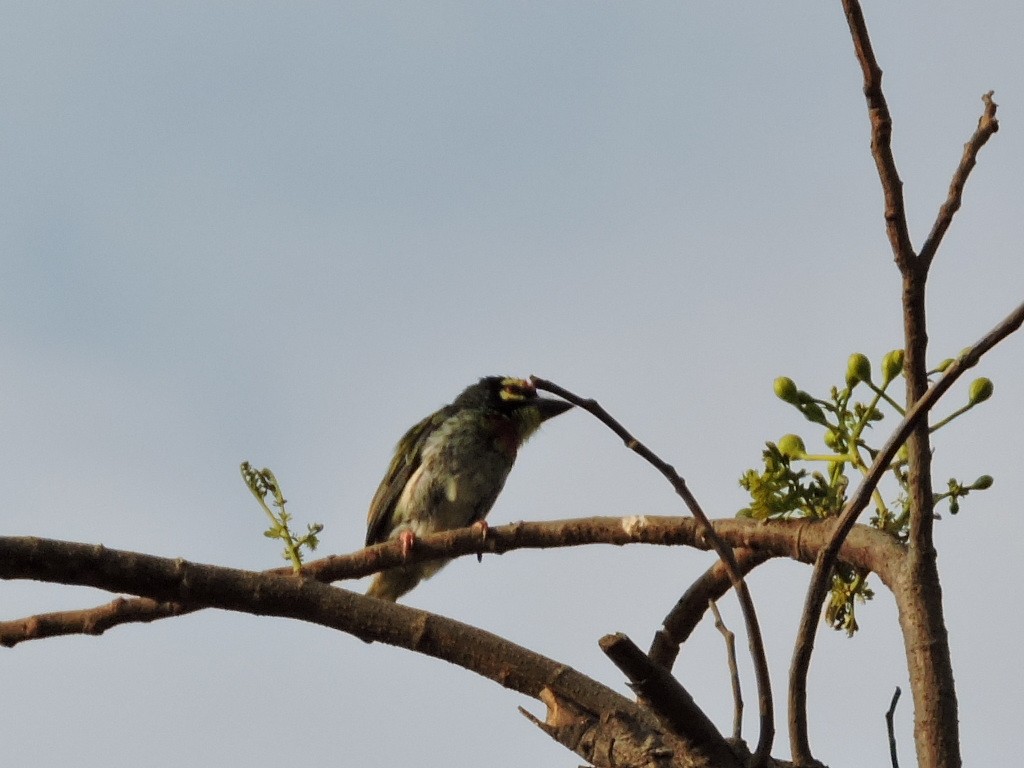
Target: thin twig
818, 587
764, 693
987, 125
734, 671
891, 730
881, 138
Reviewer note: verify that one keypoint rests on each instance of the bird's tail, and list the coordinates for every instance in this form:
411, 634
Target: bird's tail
393, 583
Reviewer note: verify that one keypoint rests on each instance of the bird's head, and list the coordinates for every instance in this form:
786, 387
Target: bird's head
516, 399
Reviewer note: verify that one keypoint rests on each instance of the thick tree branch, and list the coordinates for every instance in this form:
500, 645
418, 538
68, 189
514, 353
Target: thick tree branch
670, 702
766, 735
865, 548
926, 641
271, 594
613, 740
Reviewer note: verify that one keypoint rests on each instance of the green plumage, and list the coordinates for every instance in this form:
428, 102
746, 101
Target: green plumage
449, 468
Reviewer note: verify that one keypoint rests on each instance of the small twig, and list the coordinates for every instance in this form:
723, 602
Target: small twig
889, 727
262, 483
734, 671
670, 702
881, 139
818, 587
987, 125
754, 639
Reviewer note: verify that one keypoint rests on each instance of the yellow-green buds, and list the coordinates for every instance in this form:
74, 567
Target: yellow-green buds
791, 446
812, 412
892, 366
980, 391
785, 389
858, 368
983, 482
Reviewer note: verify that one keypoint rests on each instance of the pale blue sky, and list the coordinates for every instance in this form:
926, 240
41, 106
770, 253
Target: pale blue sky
284, 232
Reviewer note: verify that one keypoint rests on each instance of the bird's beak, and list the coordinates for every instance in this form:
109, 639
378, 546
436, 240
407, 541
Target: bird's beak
549, 408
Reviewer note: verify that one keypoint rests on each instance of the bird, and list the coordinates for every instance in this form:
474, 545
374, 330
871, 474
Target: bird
449, 468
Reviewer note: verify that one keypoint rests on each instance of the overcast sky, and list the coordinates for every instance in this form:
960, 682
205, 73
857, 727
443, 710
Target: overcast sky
284, 232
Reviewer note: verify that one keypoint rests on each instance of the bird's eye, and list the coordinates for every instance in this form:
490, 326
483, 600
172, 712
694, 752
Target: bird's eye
514, 390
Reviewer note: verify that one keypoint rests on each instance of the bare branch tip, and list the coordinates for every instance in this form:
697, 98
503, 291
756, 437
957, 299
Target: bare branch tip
988, 120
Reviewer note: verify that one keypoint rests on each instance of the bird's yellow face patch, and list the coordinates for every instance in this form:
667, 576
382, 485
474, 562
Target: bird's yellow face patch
517, 390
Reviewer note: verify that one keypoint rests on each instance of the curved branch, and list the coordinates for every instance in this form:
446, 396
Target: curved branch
271, 594
766, 735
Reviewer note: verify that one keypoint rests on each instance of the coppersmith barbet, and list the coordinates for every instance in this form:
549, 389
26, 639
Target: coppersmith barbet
449, 468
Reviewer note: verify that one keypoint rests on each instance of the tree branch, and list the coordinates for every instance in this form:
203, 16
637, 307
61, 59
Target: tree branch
734, 671
927, 646
826, 557
613, 740
755, 642
865, 548
987, 125
881, 138
691, 607
271, 594
670, 702
891, 730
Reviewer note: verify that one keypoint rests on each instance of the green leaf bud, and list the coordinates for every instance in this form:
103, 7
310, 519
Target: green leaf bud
892, 366
980, 391
791, 446
983, 482
941, 367
785, 389
812, 412
858, 368
832, 439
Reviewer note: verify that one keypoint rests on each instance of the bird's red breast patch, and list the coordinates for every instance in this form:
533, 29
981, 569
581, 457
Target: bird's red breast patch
506, 434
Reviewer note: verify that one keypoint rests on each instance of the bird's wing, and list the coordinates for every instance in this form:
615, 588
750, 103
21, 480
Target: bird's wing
408, 454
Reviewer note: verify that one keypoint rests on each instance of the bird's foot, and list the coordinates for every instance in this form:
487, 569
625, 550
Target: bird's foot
481, 525
408, 540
